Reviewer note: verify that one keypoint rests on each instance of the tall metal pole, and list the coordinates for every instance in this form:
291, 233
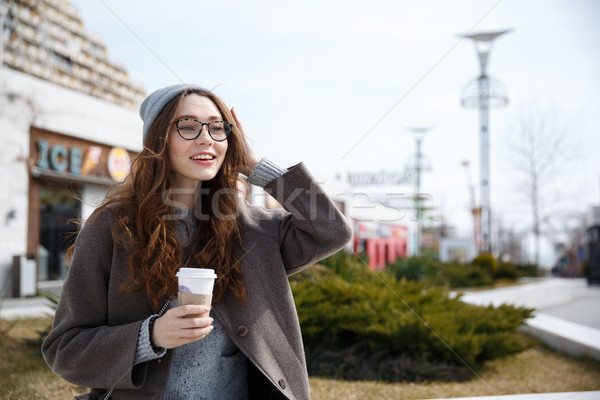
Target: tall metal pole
419, 133
483, 45
418, 197
484, 163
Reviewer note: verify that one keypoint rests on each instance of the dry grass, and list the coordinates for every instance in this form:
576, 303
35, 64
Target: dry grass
24, 375
538, 370
23, 372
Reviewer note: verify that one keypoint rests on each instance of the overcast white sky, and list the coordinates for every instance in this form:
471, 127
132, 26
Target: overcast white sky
334, 83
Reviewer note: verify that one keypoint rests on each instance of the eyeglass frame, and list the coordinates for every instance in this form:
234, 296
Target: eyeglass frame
202, 125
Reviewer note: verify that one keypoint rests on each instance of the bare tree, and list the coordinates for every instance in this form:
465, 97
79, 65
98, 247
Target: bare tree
509, 241
540, 153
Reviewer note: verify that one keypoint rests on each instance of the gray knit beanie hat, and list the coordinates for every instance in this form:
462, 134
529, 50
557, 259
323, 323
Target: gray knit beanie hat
154, 103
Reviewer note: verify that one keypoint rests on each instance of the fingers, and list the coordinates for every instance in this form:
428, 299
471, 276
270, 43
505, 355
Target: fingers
236, 119
180, 326
195, 328
188, 309
251, 157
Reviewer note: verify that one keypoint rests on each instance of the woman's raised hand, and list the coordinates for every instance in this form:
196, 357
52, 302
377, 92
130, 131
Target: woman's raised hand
173, 329
251, 157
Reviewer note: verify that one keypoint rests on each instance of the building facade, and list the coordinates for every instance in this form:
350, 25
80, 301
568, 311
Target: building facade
47, 39
69, 126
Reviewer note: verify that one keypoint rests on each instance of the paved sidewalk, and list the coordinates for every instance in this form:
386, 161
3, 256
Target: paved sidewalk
571, 297
582, 310
29, 307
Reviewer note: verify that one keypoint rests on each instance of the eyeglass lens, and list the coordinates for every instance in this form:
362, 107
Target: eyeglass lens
190, 129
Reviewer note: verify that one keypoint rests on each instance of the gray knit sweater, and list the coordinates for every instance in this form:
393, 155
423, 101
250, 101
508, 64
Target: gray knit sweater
213, 367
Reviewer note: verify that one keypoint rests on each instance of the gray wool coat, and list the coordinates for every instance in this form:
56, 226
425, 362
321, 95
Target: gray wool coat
95, 330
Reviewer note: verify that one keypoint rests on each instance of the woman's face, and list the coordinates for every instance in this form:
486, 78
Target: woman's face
199, 159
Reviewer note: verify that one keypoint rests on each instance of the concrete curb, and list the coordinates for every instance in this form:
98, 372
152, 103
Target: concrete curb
566, 336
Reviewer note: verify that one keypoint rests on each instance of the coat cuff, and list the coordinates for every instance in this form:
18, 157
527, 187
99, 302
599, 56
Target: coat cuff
144, 351
264, 172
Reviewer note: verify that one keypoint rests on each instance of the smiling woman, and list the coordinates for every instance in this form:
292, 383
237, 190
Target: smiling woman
180, 207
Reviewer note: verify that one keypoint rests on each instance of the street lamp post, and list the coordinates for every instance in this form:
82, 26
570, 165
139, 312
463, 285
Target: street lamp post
419, 133
483, 94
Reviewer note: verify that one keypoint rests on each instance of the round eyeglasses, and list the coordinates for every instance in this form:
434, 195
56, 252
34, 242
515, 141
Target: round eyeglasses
190, 129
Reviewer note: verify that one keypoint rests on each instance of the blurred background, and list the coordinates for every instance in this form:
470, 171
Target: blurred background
425, 148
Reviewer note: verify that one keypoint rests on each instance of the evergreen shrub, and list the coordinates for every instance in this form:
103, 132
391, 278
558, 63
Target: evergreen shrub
527, 270
466, 276
455, 275
415, 268
361, 324
487, 262
507, 270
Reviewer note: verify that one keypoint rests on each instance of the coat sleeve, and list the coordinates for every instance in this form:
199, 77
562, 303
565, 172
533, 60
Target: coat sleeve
312, 227
82, 347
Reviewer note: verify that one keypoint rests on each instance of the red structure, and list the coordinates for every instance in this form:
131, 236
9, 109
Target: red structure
383, 244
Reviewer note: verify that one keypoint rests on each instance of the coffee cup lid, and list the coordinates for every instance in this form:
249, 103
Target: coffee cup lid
196, 273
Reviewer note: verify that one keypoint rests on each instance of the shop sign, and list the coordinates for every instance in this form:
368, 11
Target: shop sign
367, 230
74, 160
58, 158
379, 178
118, 164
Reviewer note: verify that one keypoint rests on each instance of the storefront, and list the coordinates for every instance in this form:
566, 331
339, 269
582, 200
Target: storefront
62, 151
382, 243
68, 178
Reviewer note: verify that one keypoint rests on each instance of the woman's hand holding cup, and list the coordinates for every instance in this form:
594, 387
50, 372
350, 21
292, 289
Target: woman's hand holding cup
173, 329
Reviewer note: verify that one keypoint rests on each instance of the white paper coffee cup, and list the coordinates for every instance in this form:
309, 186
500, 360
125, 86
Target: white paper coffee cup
196, 280
195, 287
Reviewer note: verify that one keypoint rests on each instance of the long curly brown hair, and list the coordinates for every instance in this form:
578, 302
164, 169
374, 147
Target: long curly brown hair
145, 223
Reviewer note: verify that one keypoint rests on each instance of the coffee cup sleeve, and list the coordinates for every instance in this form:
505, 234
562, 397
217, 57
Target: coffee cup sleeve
185, 298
